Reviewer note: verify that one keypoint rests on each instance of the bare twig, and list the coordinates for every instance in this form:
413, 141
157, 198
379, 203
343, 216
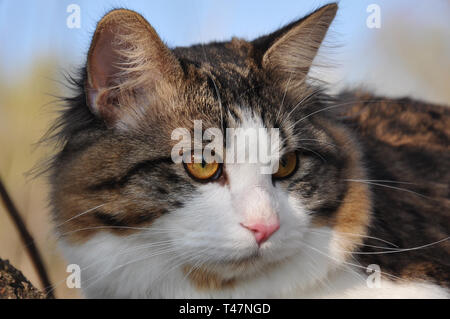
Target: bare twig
27, 239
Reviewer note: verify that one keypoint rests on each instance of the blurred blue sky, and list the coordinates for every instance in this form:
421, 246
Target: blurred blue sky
30, 29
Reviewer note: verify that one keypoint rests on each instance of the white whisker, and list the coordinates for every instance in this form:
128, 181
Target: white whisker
391, 187
81, 214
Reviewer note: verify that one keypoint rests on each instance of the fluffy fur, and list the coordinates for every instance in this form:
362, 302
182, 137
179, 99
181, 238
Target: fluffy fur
139, 226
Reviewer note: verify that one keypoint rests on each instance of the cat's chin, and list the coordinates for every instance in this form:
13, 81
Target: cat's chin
247, 266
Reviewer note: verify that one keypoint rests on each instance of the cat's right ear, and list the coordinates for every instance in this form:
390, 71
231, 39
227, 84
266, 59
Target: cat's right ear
287, 54
125, 59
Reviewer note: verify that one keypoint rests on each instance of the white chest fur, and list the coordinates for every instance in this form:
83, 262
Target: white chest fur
116, 267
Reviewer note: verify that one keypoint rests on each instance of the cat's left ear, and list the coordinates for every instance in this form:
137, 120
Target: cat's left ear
288, 52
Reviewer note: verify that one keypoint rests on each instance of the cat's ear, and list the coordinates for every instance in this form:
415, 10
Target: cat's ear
126, 57
288, 52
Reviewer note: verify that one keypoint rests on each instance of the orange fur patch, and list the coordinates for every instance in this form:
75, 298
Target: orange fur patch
205, 279
354, 214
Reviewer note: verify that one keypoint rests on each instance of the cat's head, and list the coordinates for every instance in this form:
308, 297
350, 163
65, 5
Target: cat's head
217, 221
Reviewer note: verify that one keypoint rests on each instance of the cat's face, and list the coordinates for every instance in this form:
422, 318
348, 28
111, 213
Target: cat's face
242, 220
227, 219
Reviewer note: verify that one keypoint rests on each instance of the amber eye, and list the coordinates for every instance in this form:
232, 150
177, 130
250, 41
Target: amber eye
203, 171
286, 166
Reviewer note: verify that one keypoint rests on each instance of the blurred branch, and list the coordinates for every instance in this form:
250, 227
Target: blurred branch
27, 239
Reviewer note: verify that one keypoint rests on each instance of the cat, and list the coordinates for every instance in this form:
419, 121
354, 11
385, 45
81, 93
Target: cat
357, 208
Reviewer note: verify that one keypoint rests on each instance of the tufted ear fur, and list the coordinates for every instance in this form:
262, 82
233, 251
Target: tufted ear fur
288, 53
126, 59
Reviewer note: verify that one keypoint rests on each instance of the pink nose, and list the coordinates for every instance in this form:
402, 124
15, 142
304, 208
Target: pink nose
261, 231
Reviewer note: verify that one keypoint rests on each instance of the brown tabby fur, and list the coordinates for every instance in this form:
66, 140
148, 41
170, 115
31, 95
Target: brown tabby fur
406, 141
116, 153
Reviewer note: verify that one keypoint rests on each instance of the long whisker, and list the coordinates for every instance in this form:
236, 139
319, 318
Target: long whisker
340, 105
401, 250
219, 98
313, 113
112, 227
316, 140
81, 214
338, 262
284, 96
122, 252
183, 258
391, 187
134, 249
102, 275
381, 181
314, 152
356, 235
361, 244
197, 265
305, 99
215, 87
